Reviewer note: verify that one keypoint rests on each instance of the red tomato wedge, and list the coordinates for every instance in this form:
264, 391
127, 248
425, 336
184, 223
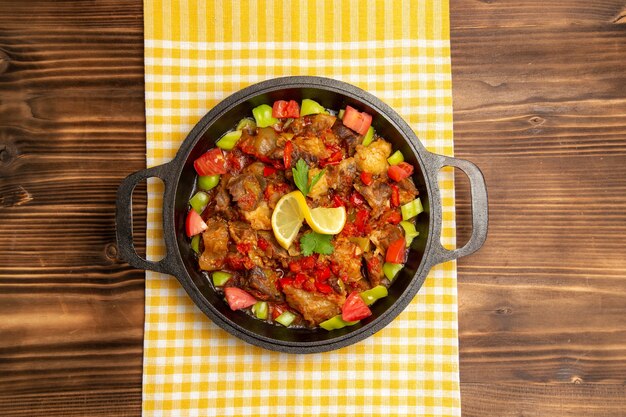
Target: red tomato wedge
238, 298
283, 109
358, 121
211, 163
354, 308
194, 223
396, 252
401, 171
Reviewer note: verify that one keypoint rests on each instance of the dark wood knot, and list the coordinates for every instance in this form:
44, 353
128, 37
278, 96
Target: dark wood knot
110, 251
536, 120
4, 61
504, 311
5, 156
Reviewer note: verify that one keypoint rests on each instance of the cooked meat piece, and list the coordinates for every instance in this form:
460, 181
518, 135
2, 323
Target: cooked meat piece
240, 232
315, 308
299, 125
260, 218
255, 168
340, 177
373, 158
377, 195
274, 250
262, 283
350, 138
321, 122
348, 255
374, 267
407, 190
385, 235
310, 148
321, 187
245, 190
261, 145
237, 160
215, 240
274, 190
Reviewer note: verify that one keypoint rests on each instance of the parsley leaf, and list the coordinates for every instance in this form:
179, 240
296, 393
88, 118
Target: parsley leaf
316, 242
301, 176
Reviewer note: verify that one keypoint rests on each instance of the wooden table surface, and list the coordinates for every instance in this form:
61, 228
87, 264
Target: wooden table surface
539, 104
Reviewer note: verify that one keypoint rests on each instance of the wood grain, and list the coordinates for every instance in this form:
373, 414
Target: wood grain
539, 105
72, 126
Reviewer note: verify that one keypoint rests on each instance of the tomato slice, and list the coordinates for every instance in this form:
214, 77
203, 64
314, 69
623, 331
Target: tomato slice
396, 252
238, 298
401, 171
354, 308
366, 178
283, 109
358, 121
267, 171
211, 163
194, 223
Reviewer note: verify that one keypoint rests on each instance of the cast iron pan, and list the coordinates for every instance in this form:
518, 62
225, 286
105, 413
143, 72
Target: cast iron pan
179, 178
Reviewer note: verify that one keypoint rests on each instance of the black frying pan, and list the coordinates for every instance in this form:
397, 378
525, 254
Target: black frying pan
179, 177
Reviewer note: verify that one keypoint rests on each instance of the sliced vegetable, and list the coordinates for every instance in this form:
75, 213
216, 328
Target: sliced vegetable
311, 107
335, 323
396, 252
287, 154
411, 209
211, 163
283, 109
395, 196
208, 182
395, 158
409, 232
260, 310
229, 140
238, 298
399, 172
367, 178
391, 270
361, 242
358, 121
369, 137
267, 171
354, 308
199, 201
246, 124
195, 243
194, 224
263, 116
220, 278
373, 294
341, 113
286, 318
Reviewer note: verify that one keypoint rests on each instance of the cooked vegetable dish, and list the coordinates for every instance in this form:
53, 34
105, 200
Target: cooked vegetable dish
303, 216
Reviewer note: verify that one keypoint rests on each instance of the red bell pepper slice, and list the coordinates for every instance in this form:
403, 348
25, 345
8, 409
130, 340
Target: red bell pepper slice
401, 171
287, 154
323, 288
211, 163
366, 178
396, 252
354, 308
358, 121
395, 195
194, 223
267, 171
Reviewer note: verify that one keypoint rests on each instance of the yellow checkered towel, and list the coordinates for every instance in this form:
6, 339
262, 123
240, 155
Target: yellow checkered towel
197, 53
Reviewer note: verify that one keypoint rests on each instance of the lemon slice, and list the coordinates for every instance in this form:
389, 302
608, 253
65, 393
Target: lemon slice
287, 217
326, 220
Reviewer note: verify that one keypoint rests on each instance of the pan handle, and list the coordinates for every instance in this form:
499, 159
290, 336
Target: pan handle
480, 209
124, 220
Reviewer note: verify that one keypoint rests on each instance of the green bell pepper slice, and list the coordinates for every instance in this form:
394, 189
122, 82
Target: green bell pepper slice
409, 232
195, 243
395, 158
246, 123
336, 322
263, 116
391, 270
220, 278
199, 201
373, 294
311, 107
369, 137
411, 209
208, 182
229, 140
260, 310
286, 318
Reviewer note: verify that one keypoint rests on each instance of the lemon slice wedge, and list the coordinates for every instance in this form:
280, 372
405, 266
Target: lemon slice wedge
287, 218
326, 220
292, 209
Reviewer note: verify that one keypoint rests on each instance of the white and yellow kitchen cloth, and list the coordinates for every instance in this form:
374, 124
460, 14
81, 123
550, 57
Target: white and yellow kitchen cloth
197, 53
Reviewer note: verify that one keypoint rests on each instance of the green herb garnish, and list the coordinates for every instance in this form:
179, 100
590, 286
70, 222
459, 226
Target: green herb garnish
316, 242
301, 176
